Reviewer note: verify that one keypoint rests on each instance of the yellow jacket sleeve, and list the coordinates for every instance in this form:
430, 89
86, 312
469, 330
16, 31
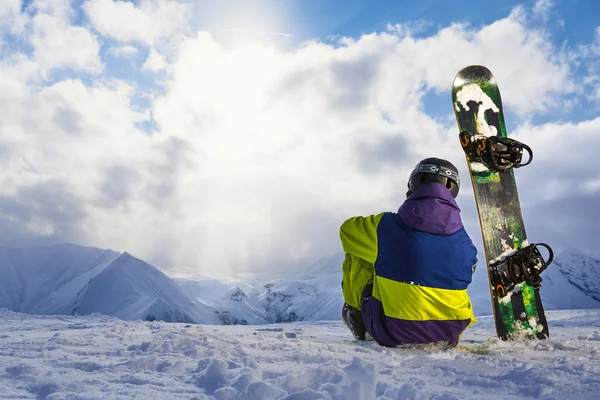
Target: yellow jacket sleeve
359, 237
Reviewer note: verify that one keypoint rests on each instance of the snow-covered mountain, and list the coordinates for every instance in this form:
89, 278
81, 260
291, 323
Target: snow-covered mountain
572, 281
46, 280
229, 298
313, 296
301, 291
69, 279
132, 289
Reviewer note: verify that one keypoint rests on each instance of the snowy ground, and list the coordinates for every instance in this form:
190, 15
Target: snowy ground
56, 357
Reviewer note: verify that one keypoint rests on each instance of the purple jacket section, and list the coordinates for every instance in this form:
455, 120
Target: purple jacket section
430, 209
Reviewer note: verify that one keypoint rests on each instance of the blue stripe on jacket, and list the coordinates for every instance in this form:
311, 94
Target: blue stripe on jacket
412, 256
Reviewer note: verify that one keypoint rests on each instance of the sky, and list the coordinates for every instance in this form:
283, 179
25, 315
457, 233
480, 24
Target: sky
210, 138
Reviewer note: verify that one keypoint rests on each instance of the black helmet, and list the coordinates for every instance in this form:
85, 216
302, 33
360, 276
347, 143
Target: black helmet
432, 170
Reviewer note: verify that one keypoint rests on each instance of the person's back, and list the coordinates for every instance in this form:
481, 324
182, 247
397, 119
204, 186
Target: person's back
406, 273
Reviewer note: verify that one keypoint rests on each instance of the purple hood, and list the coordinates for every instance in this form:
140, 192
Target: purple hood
431, 209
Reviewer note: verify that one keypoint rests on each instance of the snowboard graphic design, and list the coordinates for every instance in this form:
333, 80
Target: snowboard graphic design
518, 310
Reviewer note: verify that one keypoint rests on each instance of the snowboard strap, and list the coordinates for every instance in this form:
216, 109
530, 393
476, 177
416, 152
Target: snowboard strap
525, 265
498, 154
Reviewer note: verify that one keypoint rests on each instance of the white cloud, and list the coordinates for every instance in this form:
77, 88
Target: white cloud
154, 62
259, 152
264, 123
530, 71
123, 51
58, 44
59, 47
542, 9
590, 54
559, 190
149, 22
11, 18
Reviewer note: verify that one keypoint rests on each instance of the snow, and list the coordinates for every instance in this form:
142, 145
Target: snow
45, 280
478, 167
93, 357
229, 298
132, 289
572, 281
69, 279
314, 296
308, 355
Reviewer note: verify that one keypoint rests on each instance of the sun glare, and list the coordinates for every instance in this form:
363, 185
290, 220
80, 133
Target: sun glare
235, 24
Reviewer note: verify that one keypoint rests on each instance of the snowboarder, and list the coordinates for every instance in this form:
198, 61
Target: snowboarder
405, 274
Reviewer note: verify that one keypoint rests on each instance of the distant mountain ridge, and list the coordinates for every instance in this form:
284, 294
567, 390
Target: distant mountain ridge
132, 289
70, 279
30, 284
572, 281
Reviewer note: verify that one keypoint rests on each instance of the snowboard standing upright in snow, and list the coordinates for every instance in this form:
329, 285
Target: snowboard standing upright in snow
513, 265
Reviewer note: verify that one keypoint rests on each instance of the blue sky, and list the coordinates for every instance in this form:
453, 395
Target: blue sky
357, 17
224, 136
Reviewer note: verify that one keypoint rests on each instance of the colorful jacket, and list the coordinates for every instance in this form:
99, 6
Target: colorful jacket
419, 262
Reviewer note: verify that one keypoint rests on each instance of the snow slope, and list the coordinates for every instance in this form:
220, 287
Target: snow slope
100, 357
572, 281
69, 279
46, 280
311, 293
132, 289
306, 290
231, 301
208, 290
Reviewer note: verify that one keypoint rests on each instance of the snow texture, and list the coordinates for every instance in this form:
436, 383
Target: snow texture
233, 305
572, 281
100, 357
315, 295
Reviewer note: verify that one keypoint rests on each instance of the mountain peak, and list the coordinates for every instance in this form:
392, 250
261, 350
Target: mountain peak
235, 294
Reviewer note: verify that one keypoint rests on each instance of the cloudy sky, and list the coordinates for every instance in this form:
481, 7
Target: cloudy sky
214, 137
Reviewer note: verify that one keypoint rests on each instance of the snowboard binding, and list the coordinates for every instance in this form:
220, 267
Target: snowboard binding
497, 153
525, 265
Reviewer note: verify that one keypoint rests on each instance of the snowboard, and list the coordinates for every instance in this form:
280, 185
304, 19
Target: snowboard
518, 313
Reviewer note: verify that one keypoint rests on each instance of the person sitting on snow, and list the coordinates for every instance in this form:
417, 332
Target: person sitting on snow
405, 274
